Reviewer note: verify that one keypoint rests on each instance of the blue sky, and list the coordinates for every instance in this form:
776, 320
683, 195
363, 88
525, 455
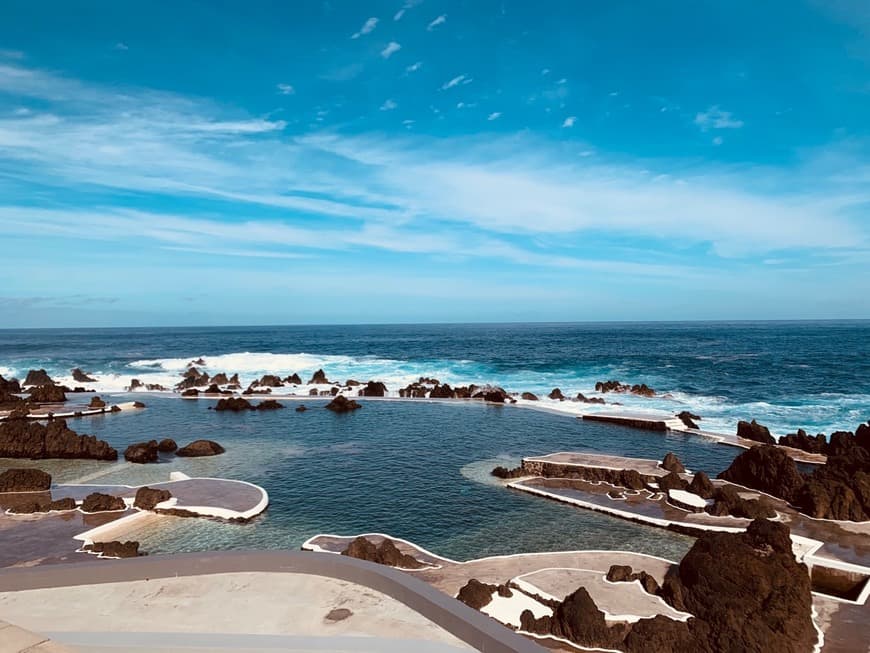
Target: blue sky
316, 162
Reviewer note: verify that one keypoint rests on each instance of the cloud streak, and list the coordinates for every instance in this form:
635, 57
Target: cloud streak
367, 28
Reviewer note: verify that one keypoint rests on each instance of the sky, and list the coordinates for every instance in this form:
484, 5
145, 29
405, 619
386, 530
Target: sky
368, 161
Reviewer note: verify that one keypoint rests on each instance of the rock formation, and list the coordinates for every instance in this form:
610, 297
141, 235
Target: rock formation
492, 394
640, 389
804, 442
373, 389
47, 394
384, 553
26, 479
754, 431
23, 438
234, 404
625, 574
556, 394
269, 404
301, 408
147, 498
768, 469
672, 481
43, 503
528, 396
689, 419
96, 402
142, 452
293, 379
443, 391
114, 549
727, 501
99, 502
673, 464
200, 448
319, 378
504, 472
588, 400
342, 404
9, 385
476, 594
37, 377
166, 445
192, 378
702, 486
81, 377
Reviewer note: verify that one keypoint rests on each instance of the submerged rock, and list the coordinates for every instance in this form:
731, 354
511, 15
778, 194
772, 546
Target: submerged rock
99, 502
269, 404
200, 448
301, 408
384, 553
23, 438
342, 404
24, 480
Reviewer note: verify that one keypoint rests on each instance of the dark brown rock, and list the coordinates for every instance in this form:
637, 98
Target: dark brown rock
373, 389
190, 392
754, 431
114, 549
528, 396
672, 481
96, 402
63, 505
475, 594
727, 501
490, 394
99, 502
293, 379
688, 419
578, 620
192, 378
504, 472
641, 389
301, 408
200, 448
234, 404
142, 452
765, 468
270, 380
24, 480
342, 404
22, 438
147, 498
319, 378
556, 393
588, 400
702, 486
804, 442
269, 404
673, 464
37, 377
220, 379
9, 385
47, 394
625, 574
384, 553
166, 445
81, 377
443, 391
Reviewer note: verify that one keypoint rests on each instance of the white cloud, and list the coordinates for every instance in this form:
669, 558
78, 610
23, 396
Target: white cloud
545, 71
716, 118
569, 121
414, 67
438, 21
456, 81
495, 115
285, 89
408, 123
398, 15
562, 81
367, 28
409, 4
717, 140
391, 49
121, 46
389, 105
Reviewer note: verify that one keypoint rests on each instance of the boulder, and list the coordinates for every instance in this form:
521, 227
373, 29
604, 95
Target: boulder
214, 389
81, 377
702, 486
625, 574
147, 498
220, 379
673, 464
198, 361
234, 404
190, 392
166, 445
384, 553
688, 419
504, 472
475, 594
672, 481
319, 378
313, 392
9, 401
754, 431
800, 440
47, 394
442, 391
528, 396
640, 389
588, 400
269, 404
9, 385
270, 381
23, 438
490, 394
37, 377
62, 505
768, 469
27, 479
96, 402
342, 404
578, 620
199, 448
114, 549
99, 502
192, 378
556, 393
293, 379
373, 389
142, 452
727, 501
353, 383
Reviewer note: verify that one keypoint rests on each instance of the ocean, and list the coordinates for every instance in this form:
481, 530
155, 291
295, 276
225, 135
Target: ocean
419, 470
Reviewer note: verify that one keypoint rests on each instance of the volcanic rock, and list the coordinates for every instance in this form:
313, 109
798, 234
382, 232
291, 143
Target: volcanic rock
588, 400
504, 472
384, 553
688, 419
142, 452
319, 378
62, 505
768, 469
754, 431
199, 448
578, 620
99, 502
24, 480
443, 391
147, 498
556, 393
641, 389
81, 377
270, 380
235, 404
801, 440
192, 378
301, 408
673, 464
190, 392
47, 394
729, 502
96, 402
491, 394
672, 481
625, 574
702, 486
37, 377
475, 594
114, 549
293, 379
342, 404
269, 404
528, 396
166, 445
9, 385
22, 438
373, 389
220, 379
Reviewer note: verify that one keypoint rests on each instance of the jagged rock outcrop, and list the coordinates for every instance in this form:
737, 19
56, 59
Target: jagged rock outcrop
384, 553
640, 389
556, 394
673, 464
476, 594
43, 503
115, 549
319, 378
373, 389
269, 381
588, 400
269, 404
702, 486
147, 497
234, 404
25, 479
418, 389
142, 452
37, 377
768, 469
96, 402
190, 392
200, 448
192, 378
492, 394
220, 379
9, 385
81, 377
23, 438
629, 478
442, 391
504, 472
214, 389
167, 445
578, 620
672, 481
800, 440
293, 379
9, 401
754, 431
625, 574
529, 396
99, 502
342, 404
135, 384
47, 394
689, 419
727, 501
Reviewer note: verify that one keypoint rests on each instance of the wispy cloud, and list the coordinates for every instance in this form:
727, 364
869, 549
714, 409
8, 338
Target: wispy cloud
456, 81
121, 46
409, 4
569, 121
367, 28
414, 67
285, 89
391, 49
438, 21
495, 115
389, 105
716, 118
